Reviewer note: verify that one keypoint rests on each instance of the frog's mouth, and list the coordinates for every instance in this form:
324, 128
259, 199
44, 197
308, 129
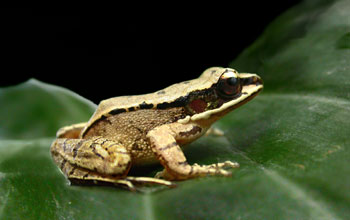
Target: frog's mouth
251, 84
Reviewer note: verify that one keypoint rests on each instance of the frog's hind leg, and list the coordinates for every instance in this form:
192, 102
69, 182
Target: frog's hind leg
97, 161
96, 154
91, 159
81, 176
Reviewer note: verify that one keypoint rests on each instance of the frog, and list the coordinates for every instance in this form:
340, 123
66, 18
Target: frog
138, 130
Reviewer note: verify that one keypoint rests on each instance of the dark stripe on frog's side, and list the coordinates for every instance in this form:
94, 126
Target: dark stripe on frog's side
144, 105
115, 111
131, 109
184, 100
179, 102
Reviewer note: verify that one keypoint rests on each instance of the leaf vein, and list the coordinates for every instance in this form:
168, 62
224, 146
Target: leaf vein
318, 209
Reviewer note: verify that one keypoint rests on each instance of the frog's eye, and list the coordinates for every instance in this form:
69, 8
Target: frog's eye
229, 85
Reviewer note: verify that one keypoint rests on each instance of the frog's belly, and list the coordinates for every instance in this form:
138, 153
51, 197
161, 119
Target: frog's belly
142, 154
147, 156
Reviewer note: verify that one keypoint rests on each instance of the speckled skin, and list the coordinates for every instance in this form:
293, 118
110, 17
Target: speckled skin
130, 130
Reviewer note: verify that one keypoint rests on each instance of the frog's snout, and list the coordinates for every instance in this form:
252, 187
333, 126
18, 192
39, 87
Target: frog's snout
251, 79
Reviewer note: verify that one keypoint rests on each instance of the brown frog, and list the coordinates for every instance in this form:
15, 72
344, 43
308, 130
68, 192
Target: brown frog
137, 130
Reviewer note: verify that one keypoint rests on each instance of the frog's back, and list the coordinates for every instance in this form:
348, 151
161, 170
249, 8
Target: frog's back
172, 96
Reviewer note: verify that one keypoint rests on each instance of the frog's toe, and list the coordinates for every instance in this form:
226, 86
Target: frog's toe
230, 164
150, 180
226, 164
126, 183
220, 168
223, 172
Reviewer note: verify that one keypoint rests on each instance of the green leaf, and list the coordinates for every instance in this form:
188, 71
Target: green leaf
36, 110
292, 141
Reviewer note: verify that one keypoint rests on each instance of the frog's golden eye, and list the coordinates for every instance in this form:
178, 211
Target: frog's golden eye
229, 85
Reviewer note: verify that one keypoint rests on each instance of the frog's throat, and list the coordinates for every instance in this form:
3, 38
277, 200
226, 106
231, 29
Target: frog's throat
248, 93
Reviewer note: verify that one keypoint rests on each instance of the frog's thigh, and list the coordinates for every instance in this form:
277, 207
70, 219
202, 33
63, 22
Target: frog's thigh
97, 160
82, 176
91, 158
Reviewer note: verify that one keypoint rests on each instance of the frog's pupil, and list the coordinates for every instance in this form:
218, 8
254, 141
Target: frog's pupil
232, 81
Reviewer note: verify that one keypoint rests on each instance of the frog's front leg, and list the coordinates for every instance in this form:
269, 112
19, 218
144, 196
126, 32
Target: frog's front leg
165, 142
96, 160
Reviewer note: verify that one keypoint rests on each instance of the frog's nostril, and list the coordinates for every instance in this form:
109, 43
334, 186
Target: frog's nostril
252, 80
258, 81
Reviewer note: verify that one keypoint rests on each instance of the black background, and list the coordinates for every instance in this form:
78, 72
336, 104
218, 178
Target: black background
102, 53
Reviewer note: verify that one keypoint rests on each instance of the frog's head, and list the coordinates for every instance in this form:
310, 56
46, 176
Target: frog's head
226, 89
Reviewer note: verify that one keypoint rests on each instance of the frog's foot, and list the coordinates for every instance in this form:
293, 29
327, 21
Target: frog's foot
220, 166
217, 169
